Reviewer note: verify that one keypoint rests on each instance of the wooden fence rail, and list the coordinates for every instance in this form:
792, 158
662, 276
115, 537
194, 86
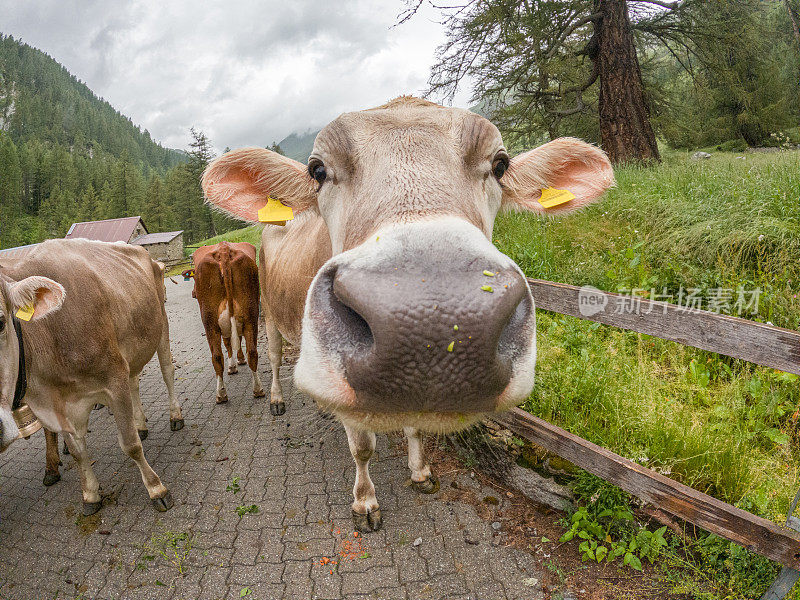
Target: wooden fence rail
754, 533
739, 338
754, 342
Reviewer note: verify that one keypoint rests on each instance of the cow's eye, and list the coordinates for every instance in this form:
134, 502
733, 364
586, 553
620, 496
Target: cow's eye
500, 164
317, 171
2, 323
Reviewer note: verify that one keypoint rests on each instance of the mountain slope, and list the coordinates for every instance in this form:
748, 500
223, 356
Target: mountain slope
67, 156
40, 99
298, 145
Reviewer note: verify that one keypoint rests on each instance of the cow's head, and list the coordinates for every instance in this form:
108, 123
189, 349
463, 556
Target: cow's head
44, 296
417, 319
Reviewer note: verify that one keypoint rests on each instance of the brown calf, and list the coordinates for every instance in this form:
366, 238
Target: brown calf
226, 288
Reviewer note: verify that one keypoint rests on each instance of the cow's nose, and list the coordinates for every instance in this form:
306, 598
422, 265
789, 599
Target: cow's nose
411, 338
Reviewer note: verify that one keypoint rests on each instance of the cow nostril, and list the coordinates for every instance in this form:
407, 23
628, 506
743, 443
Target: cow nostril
357, 327
513, 338
344, 327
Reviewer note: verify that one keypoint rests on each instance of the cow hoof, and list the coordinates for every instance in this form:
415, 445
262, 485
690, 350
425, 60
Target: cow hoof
51, 478
259, 393
222, 399
90, 508
428, 486
277, 408
143, 433
164, 503
372, 521
175, 425
66, 449
242, 361
232, 370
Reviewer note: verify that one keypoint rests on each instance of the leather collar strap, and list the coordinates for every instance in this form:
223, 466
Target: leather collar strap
22, 376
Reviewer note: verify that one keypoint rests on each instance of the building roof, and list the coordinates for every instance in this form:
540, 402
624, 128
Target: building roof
156, 238
16, 252
109, 230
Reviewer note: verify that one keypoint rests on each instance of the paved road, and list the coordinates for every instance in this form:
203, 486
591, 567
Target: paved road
296, 469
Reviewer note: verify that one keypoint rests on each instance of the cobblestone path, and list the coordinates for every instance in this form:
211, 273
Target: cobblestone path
295, 470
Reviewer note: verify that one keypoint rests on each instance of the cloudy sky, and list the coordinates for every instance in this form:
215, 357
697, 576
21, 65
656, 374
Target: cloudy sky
246, 72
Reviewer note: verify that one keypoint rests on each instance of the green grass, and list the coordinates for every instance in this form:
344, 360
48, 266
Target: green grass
251, 234
722, 426
721, 222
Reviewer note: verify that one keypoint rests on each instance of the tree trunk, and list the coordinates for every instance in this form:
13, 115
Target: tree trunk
793, 8
625, 128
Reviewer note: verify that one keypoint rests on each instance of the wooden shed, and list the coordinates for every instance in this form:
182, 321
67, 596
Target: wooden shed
9, 256
125, 229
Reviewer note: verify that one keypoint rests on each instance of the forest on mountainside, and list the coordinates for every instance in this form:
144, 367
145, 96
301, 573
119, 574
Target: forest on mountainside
68, 156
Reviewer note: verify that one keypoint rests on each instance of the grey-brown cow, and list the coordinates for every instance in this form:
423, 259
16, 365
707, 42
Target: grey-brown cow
98, 318
408, 317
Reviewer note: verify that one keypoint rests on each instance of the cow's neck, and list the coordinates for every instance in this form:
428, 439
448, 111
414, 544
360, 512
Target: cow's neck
22, 376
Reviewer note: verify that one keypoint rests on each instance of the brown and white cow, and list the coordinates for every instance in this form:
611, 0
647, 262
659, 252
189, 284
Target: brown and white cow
226, 288
409, 317
98, 318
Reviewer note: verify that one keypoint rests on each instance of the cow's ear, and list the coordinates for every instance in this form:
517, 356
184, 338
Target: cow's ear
566, 165
41, 294
239, 182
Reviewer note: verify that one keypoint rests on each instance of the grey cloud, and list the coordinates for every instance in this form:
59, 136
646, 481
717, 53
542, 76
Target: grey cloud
246, 72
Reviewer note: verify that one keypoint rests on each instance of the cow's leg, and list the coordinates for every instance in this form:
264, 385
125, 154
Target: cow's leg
232, 367
168, 374
120, 400
138, 412
51, 474
275, 349
250, 337
240, 355
214, 337
422, 480
366, 512
76, 442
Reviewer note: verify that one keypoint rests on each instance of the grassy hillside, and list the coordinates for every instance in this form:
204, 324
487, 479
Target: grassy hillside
722, 426
250, 234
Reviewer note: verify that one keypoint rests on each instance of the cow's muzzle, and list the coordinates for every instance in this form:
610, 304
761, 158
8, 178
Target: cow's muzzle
424, 318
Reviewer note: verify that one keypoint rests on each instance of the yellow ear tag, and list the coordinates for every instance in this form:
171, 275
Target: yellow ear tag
25, 313
552, 197
275, 212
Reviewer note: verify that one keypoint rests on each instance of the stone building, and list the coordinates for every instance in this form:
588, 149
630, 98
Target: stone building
165, 247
